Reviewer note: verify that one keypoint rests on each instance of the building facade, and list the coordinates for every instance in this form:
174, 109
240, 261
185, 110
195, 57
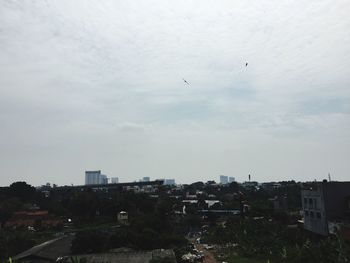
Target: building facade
169, 181
95, 177
103, 179
325, 203
223, 179
231, 179
114, 180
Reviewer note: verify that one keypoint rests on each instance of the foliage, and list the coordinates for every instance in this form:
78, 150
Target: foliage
8, 207
22, 190
269, 240
153, 224
14, 242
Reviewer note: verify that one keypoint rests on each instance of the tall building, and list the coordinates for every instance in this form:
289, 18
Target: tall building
169, 182
95, 177
92, 177
103, 179
325, 206
231, 179
114, 180
223, 179
146, 179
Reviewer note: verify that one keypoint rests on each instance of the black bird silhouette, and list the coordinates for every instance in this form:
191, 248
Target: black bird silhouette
246, 64
186, 82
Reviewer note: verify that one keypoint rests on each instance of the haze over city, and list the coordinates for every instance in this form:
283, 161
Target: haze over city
99, 85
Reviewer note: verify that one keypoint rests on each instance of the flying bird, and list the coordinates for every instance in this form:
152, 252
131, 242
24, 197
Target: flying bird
246, 64
186, 82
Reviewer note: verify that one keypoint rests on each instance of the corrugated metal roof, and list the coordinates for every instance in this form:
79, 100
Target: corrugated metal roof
49, 250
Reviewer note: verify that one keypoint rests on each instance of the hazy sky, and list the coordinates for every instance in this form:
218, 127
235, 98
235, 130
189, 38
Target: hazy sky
99, 85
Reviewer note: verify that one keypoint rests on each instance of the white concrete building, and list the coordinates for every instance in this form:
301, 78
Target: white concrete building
114, 180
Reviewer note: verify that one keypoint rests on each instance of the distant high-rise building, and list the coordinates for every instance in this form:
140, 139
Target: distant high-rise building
114, 180
103, 179
146, 179
169, 182
92, 177
231, 179
223, 179
95, 177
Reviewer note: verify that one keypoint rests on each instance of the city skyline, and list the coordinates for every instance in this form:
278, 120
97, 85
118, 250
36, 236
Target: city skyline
100, 178
100, 84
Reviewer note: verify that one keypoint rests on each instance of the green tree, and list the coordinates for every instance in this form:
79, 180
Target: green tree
14, 242
8, 207
23, 191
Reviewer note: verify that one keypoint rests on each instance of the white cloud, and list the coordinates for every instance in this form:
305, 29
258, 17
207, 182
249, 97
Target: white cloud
133, 127
99, 84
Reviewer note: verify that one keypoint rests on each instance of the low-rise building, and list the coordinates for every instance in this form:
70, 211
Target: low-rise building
250, 185
33, 219
114, 180
279, 203
270, 186
49, 251
123, 217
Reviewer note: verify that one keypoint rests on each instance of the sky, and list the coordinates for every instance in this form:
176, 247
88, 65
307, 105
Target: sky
98, 85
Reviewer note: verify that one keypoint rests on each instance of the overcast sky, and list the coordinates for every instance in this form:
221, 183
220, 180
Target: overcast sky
90, 84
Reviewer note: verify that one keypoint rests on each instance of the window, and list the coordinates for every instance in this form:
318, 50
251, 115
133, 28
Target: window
312, 214
315, 203
310, 202
305, 201
318, 215
306, 213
